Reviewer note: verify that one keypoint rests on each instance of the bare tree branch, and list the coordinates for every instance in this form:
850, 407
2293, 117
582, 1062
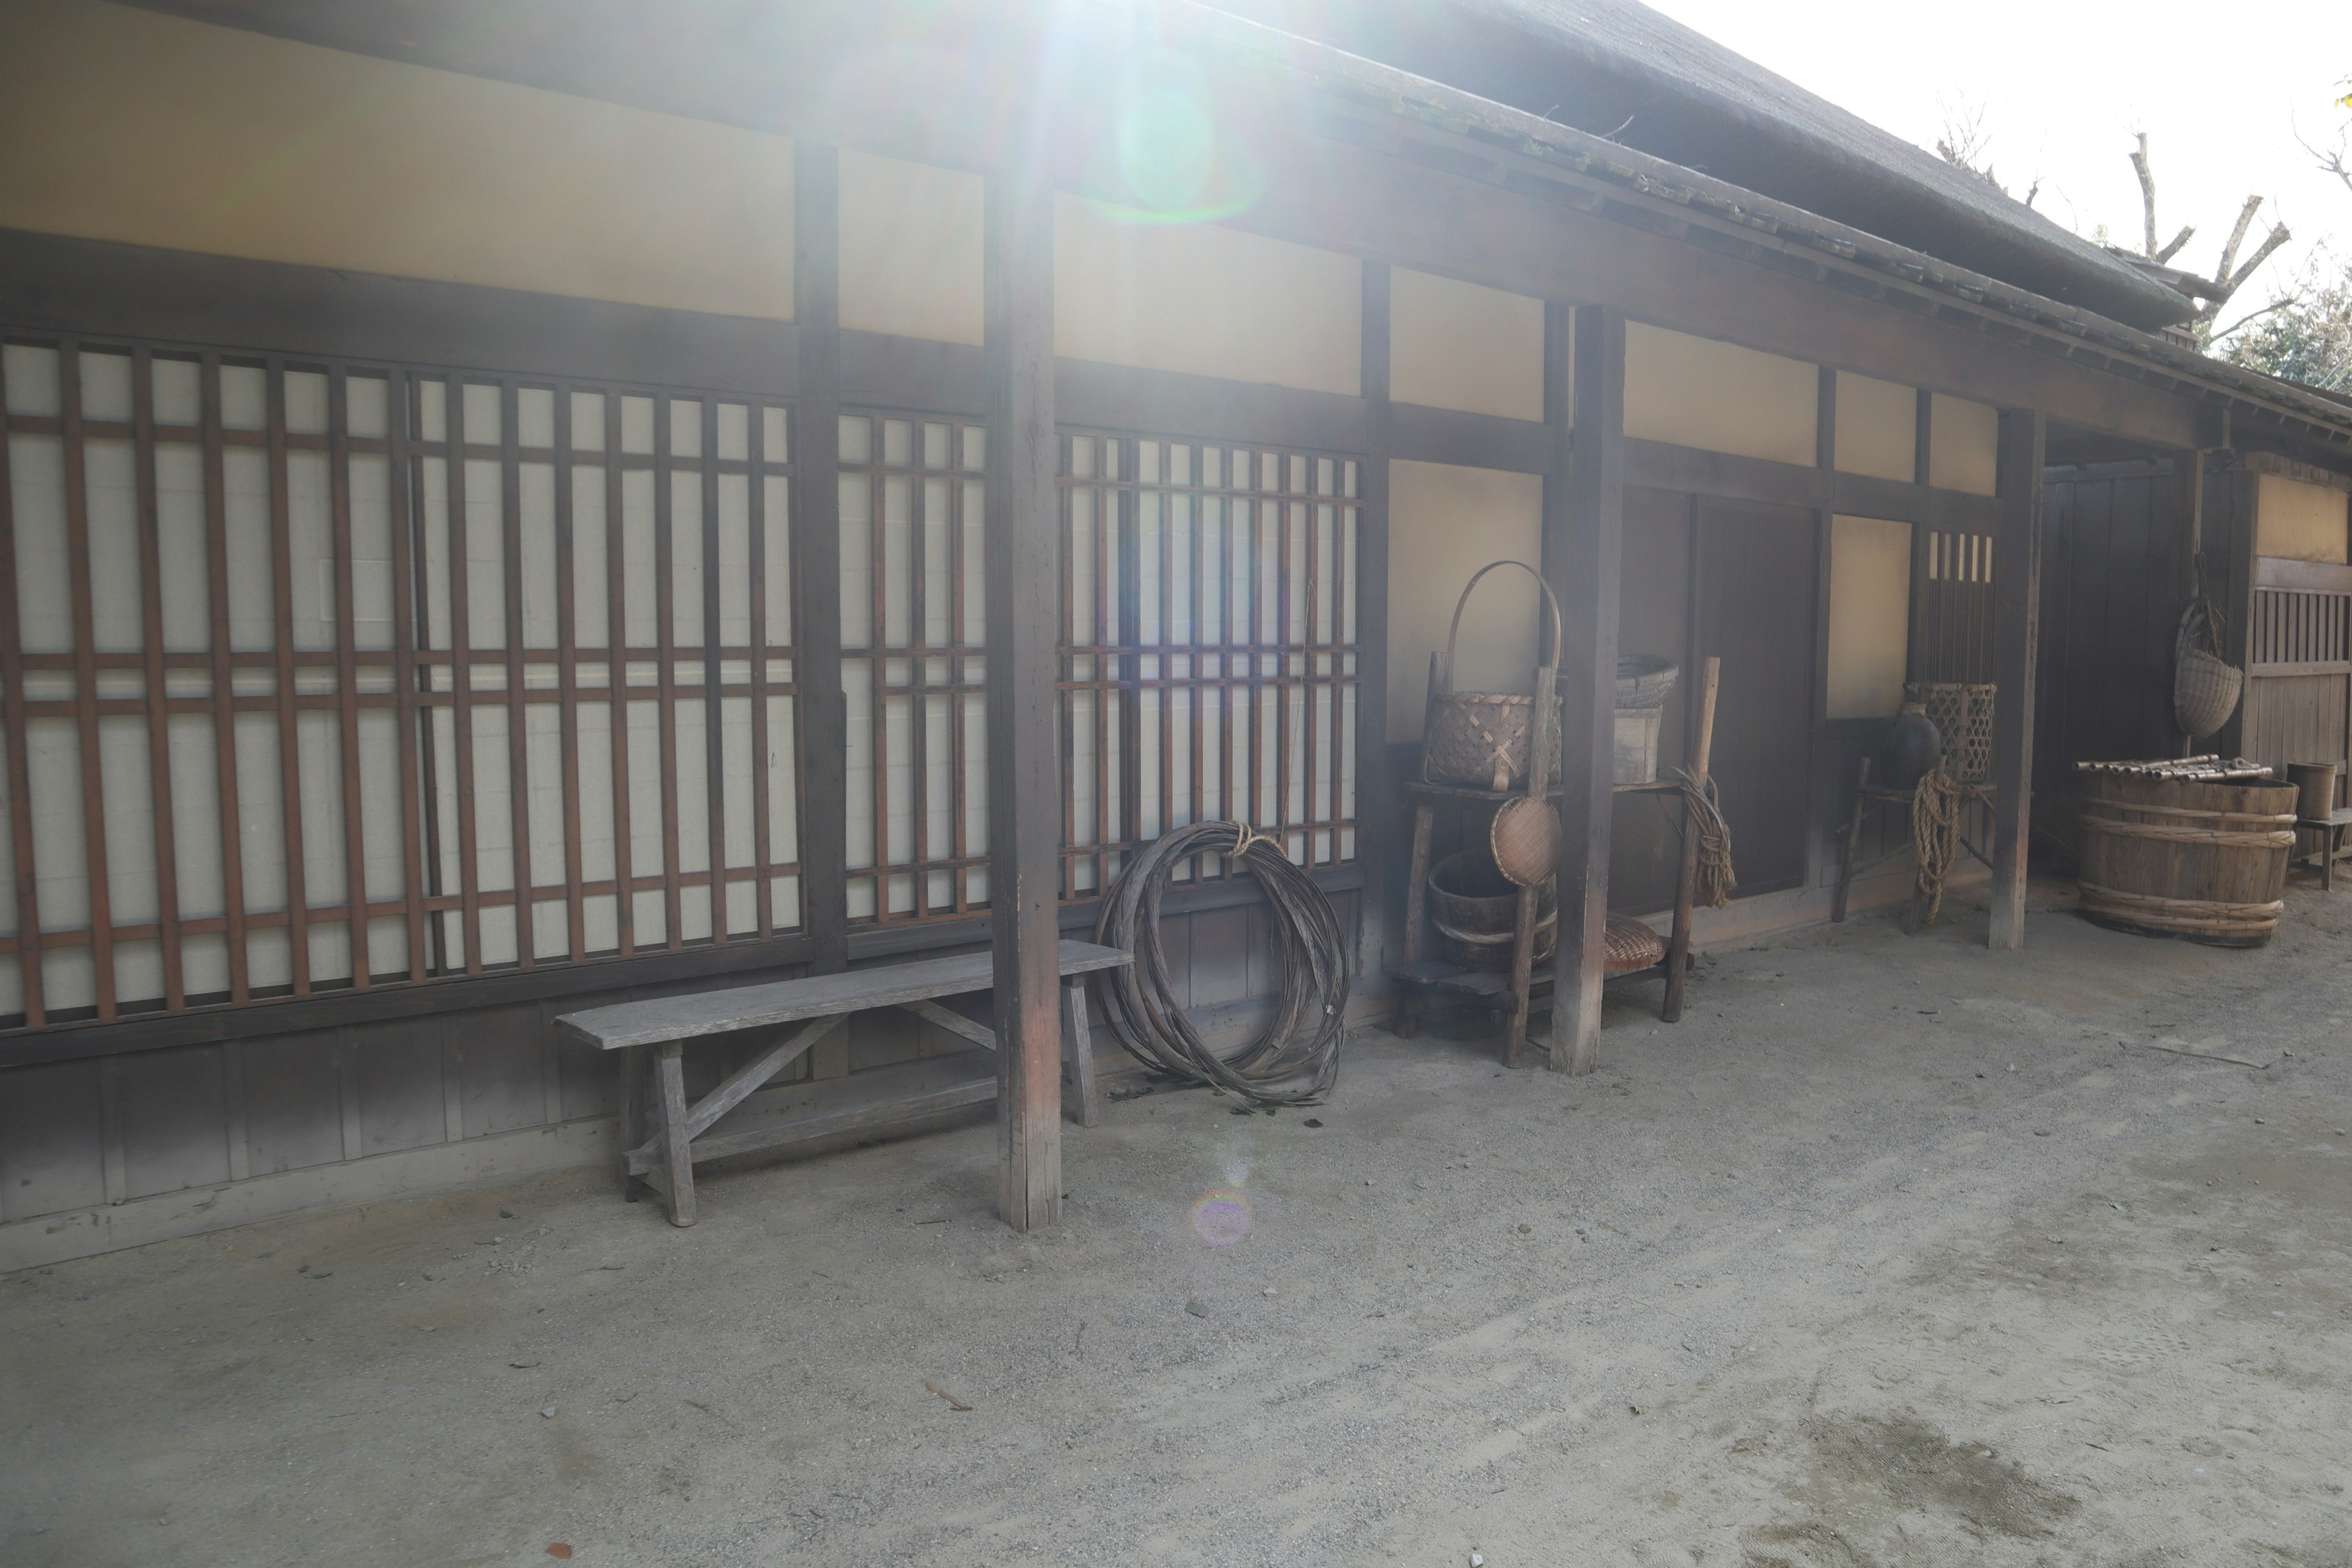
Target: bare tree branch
2237, 237
2170, 251
2287, 302
2146, 192
2277, 237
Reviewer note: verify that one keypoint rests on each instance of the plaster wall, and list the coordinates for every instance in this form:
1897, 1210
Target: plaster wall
1697, 391
2299, 521
1869, 616
1458, 345
1963, 445
1877, 428
910, 249
151, 130
1199, 300
1444, 522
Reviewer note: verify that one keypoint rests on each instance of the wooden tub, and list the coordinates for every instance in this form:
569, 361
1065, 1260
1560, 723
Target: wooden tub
2186, 858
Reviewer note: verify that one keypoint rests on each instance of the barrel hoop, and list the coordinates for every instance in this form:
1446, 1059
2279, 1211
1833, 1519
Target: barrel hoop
2193, 811
2283, 839
2180, 914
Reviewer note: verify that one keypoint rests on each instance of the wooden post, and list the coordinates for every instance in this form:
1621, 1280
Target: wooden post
2017, 622
1686, 882
1542, 747
823, 711
1376, 799
1584, 521
1024, 812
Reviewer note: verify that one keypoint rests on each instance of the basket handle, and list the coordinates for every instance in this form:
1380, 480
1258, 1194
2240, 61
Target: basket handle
1462, 604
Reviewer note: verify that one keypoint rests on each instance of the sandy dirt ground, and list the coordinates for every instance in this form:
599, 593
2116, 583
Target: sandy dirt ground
1894, 1252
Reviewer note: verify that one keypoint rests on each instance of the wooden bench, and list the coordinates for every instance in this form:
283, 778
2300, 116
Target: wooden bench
662, 1136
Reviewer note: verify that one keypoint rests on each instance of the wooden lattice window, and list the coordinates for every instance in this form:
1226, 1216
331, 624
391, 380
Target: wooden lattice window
309, 677
1209, 658
1952, 634
913, 665
1209, 666
2294, 626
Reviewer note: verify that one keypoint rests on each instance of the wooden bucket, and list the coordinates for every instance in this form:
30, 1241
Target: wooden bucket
2186, 858
1476, 911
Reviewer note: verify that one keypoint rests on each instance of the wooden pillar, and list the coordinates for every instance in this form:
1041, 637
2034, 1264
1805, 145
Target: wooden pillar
2017, 626
1584, 528
817, 546
1022, 578
1376, 807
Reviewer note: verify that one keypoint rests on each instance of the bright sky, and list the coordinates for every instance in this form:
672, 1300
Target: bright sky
2065, 84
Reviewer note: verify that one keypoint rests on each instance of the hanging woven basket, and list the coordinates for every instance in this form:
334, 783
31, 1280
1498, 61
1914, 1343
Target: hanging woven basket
1480, 737
2205, 690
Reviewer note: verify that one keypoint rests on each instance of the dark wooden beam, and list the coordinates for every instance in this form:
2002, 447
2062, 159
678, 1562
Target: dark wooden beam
1375, 807
816, 540
1024, 814
2017, 627
1584, 529
1470, 440
98, 290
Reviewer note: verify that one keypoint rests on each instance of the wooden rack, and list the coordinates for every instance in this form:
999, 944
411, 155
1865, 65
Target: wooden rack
1421, 975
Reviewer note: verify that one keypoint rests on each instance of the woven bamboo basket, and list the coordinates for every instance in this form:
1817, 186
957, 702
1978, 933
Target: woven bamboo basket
1480, 737
2186, 858
1962, 714
2205, 690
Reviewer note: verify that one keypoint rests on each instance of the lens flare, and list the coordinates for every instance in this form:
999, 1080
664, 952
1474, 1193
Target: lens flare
1223, 1218
1167, 149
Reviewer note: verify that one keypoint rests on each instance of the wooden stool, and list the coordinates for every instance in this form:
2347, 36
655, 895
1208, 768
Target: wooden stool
2330, 829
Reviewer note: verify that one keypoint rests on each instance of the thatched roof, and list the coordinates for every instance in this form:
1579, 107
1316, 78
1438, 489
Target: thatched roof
1600, 65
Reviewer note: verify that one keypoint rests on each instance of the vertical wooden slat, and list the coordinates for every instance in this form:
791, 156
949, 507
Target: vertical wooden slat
958, 699
714, 735
12, 714
159, 723
85, 661
1584, 538
224, 681
919, 700
616, 678
1375, 811
518, 729
2025, 437
816, 546
763, 901
567, 676
1286, 691
407, 637
1126, 496
347, 708
666, 643
878, 661
1104, 665
1021, 578
461, 669
289, 754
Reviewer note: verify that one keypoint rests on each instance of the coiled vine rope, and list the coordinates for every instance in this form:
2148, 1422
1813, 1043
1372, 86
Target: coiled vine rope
1296, 1059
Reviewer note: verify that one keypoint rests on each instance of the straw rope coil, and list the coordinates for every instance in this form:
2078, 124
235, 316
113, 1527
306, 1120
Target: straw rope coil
1296, 1060
1716, 878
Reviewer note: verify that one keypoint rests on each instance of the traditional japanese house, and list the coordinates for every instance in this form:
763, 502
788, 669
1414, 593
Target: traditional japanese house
515, 503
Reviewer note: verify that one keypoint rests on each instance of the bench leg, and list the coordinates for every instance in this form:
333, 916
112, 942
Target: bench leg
632, 1064
676, 1149
1078, 1046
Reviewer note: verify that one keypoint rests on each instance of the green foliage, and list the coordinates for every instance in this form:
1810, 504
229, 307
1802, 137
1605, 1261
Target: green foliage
2307, 339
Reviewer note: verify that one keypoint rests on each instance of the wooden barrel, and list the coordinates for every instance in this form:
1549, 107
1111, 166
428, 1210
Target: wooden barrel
2183, 858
